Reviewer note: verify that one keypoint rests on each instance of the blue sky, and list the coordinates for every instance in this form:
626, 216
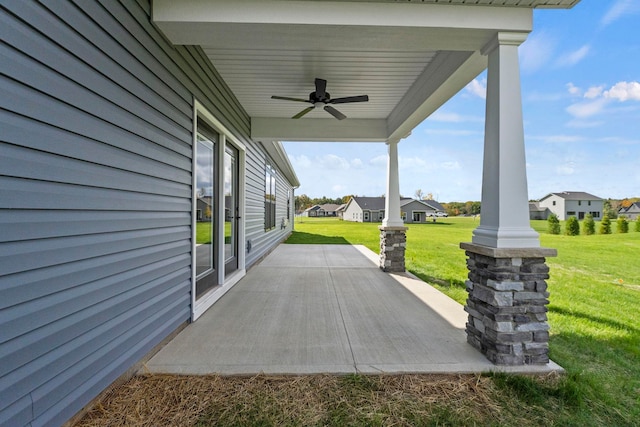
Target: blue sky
580, 75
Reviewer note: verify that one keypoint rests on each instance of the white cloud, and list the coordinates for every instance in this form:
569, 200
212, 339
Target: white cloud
356, 163
599, 98
594, 92
557, 138
338, 188
300, 161
572, 58
477, 88
454, 118
565, 170
620, 8
408, 162
333, 162
624, 91
452, 132
536, 51
574, 90
379, 160
582, 124
450, 165
582, 110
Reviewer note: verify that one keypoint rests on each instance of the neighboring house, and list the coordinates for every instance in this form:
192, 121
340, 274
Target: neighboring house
417, 211
371, 209
204, 210
311, 211
364, 209
538, 212
328, 209
340, 210
632, 212
573, 203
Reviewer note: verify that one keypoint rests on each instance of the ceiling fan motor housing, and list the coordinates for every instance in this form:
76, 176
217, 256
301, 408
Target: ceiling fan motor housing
313, 98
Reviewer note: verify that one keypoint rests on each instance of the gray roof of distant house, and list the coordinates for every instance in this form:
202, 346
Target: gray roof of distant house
573, 195
370, 203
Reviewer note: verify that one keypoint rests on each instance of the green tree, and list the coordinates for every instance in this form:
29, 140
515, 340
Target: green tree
589, 225
572, 227
610, 208
638, 224
623, 225
605, 225
553, 224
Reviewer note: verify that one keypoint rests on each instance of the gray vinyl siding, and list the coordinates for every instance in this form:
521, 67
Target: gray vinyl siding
96, 115
262, 241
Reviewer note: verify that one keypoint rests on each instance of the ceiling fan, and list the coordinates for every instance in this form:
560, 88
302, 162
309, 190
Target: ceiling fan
322, 96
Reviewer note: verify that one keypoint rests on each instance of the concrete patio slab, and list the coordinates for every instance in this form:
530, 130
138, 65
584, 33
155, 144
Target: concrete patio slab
327, 309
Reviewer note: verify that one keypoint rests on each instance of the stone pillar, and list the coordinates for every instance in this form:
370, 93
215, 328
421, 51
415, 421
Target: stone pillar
393, 241
507, 303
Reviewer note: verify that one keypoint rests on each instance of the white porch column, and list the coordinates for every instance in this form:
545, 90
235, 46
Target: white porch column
393, 236
392, 216
505, 209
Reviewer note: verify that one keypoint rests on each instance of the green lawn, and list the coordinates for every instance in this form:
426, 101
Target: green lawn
594, 314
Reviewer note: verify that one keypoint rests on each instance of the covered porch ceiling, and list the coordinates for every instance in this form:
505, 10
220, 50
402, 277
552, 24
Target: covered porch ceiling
409, 57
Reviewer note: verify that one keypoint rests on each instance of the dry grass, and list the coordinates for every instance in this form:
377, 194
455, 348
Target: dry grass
390, 400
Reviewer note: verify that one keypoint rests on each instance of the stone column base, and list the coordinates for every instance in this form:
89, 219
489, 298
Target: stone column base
393, 241
507, 303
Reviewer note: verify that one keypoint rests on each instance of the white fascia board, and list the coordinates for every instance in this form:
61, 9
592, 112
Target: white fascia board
321, 130
343, 13
420, 102
279, 156
272, 23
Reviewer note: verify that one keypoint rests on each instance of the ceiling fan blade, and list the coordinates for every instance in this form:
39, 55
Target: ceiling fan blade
321, 88
303, 112
286, 98
346, 99
335, 113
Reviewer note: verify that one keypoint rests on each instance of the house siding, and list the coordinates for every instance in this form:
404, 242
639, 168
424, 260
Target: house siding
578, 208
96, 111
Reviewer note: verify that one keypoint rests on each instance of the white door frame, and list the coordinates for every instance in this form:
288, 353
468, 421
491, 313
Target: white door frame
225, 283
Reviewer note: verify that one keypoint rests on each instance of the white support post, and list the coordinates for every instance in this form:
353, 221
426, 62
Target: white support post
392, 215
505, 209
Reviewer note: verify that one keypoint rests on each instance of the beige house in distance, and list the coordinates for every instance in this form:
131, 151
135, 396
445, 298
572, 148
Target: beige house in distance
573, 203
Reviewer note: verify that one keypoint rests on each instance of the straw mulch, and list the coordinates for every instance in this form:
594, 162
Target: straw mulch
390, 400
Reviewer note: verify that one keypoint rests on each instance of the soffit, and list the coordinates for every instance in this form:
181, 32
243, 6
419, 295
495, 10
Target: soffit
409, 58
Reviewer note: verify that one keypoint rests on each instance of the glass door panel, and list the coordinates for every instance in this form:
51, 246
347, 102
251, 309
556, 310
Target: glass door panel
231, 209
205, 212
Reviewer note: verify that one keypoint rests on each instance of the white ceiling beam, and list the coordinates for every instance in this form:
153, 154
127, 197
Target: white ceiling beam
350, 130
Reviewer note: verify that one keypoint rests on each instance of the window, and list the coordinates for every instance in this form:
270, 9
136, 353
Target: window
554, 203
579, 202
589, 202
288, 204
404, 216
571, 213
416, 217
269, 196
